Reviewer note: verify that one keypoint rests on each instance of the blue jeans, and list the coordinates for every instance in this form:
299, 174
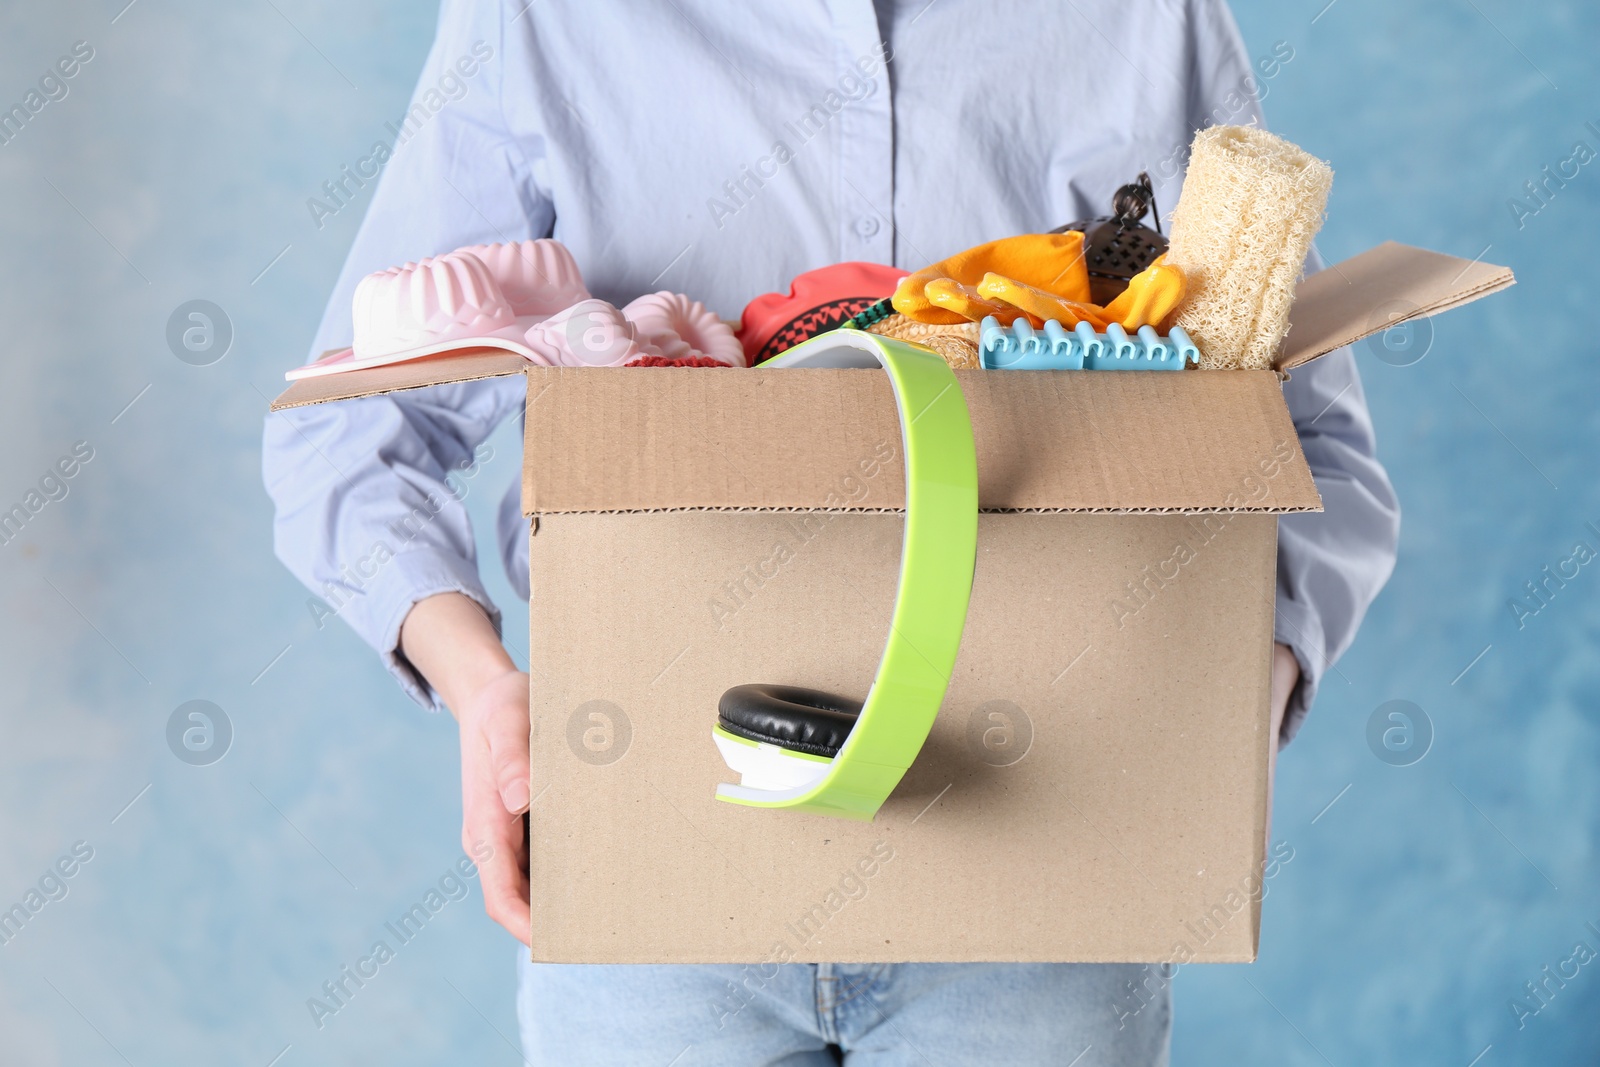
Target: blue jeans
875, 1014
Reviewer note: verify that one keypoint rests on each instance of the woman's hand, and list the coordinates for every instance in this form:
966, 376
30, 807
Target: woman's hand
452, 643
494, 795
1285, 676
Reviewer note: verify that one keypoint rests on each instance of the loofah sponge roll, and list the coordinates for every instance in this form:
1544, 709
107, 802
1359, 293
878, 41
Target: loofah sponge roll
1251, 204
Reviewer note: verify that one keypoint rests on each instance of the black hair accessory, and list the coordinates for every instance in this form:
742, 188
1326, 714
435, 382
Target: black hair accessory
1118, 246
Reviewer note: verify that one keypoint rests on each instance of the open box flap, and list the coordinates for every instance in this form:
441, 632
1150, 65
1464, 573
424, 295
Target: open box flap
662, 440
462, 366
1373, 291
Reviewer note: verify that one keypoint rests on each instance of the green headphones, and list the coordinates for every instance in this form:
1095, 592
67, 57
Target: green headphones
799, 748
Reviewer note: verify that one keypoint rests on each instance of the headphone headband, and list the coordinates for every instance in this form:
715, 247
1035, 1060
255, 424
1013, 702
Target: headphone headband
938, 554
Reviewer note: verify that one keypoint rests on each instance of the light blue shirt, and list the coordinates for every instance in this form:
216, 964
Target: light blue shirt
720, 149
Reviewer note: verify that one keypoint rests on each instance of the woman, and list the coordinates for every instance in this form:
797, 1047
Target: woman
720, 149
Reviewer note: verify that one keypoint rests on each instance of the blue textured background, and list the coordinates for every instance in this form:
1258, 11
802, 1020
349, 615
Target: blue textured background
1416, 906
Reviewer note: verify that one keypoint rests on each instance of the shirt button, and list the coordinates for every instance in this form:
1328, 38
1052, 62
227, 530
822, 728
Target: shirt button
866, 226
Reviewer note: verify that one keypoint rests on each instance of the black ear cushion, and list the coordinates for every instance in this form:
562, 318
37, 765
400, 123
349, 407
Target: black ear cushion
802, 720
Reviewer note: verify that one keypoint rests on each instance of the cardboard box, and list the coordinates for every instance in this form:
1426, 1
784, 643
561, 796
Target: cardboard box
1095, 786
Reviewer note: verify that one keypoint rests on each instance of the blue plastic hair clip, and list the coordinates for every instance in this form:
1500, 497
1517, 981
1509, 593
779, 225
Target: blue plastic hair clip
1188, 351
1021, 347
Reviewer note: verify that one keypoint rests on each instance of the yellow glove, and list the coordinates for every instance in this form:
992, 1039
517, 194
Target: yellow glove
1052, 262
968, 303
1039, 304
1149, 297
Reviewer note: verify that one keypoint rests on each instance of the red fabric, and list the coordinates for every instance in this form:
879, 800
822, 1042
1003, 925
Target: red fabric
817, 301
686, 361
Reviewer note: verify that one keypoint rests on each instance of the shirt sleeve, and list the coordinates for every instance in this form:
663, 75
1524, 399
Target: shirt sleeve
365, 514
1332, 564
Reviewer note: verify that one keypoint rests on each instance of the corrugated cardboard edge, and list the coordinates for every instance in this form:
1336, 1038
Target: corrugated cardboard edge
1275, 509
1371, 292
